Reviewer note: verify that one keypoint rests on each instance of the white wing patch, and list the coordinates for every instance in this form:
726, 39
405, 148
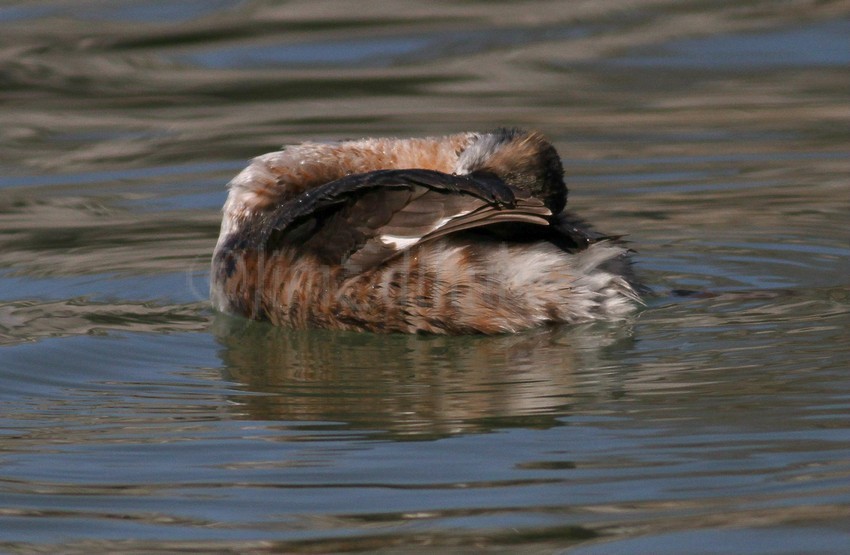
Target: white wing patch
447, 219
397, 242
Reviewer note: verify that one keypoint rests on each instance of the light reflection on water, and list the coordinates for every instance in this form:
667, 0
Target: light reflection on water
133, 418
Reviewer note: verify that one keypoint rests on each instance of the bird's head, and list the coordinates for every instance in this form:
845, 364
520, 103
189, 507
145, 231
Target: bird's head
522, 159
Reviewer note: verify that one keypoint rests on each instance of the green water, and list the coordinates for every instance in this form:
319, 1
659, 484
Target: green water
716, 136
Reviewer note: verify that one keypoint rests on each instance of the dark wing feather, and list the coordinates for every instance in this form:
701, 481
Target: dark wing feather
363, 220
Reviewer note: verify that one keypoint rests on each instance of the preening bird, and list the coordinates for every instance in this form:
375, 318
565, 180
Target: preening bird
465, 233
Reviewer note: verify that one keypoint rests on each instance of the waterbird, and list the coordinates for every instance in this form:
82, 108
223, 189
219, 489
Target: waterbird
459, 234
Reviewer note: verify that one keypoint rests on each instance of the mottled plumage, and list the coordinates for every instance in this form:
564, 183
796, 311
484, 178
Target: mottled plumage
459, 234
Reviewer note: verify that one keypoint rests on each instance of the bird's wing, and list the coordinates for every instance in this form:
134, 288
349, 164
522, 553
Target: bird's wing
363, 220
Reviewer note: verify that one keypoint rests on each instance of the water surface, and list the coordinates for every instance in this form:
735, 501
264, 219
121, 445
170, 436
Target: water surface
134, 419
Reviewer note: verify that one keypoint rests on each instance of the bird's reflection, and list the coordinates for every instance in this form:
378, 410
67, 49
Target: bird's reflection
414, 386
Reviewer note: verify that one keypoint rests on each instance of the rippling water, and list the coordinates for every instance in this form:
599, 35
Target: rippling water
133, 419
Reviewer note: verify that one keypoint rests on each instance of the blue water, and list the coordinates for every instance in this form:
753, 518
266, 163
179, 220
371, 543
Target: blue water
135, 419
